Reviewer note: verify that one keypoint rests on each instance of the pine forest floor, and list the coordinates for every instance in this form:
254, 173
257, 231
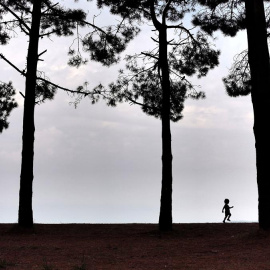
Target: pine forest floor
134, 246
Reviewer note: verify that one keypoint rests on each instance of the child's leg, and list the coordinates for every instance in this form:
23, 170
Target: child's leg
229, 217
225, 218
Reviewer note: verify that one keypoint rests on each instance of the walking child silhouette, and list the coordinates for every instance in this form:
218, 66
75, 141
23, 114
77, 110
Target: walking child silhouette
227, 210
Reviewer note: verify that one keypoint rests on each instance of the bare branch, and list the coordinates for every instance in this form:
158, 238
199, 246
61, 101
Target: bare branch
150, 55
11, 64
185, 30
42, 53
155, 40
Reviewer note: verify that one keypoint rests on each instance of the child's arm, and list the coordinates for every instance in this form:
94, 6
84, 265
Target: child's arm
231, 207
223, 209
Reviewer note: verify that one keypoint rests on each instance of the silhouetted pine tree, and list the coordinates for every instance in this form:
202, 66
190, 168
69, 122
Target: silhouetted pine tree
158, 79
38, 19
250, 75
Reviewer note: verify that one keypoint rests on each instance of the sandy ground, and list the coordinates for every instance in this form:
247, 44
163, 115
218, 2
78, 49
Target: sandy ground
134, 246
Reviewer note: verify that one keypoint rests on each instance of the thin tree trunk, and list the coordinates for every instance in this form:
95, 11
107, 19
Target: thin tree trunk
26, 182
260, 76
165, 217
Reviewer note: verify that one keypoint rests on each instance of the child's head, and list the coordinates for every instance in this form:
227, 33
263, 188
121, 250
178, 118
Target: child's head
226, 201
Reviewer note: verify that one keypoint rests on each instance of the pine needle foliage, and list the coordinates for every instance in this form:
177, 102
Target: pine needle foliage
7, 103
189, 53
229, 17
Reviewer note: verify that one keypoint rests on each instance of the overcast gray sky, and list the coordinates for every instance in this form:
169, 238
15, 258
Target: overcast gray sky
96, 164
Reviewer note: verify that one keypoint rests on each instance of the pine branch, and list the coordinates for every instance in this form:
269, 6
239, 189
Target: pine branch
11, 64
119, 26
81, 21
150, 55
42, 79
141, 104
145, 10
23, 8
185, 30
155, 40
164, 13
64, 88
47, 34
95, 27
49, 7
157, 24
6, 22
18, 18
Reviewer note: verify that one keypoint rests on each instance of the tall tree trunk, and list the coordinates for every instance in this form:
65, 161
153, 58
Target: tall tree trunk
165, 217
26, 182
260, 76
